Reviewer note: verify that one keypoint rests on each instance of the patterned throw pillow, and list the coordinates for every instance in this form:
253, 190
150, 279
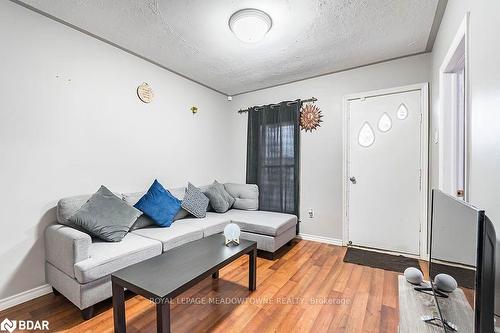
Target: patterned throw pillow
195, 201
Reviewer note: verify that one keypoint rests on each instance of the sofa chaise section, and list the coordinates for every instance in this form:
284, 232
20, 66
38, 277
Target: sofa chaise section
269, 229
262, 222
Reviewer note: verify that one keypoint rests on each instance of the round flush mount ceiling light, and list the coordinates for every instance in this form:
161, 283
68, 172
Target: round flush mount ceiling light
250, 25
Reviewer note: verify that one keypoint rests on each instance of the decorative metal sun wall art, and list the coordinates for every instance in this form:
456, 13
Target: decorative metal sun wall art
310, 117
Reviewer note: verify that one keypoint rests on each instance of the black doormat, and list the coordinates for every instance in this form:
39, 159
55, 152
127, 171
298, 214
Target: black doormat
465, 277
388, 262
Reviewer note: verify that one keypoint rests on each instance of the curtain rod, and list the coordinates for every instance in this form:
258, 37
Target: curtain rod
312, 99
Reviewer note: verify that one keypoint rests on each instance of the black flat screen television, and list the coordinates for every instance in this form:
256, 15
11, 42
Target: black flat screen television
462, 244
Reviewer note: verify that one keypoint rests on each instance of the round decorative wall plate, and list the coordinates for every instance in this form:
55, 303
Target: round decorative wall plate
145, 93
310, 117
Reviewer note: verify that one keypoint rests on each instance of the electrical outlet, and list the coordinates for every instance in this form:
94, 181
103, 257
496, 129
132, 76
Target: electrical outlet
311, 213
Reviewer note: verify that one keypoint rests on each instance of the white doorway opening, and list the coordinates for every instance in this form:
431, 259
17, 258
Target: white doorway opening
454, 117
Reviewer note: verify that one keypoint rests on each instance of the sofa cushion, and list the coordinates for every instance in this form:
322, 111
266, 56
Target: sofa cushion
212, 224
270, 243
173, 236
144, 221
106, 216
67, 207
246, 195
262, 222
106, 258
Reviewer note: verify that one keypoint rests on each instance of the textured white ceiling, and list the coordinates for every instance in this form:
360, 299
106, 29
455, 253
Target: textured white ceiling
308, 37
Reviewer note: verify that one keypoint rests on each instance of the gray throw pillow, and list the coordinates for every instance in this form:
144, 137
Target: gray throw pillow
228, 197
220, 200
195, 201
142, 221
106, 216
203, 189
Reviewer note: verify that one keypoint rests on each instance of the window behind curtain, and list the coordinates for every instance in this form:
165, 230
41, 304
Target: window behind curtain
273, 156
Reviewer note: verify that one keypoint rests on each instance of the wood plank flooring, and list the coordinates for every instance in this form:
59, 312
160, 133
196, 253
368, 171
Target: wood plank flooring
308, 289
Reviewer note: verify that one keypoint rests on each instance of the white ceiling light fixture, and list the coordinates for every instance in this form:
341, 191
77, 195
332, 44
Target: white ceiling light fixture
250, 25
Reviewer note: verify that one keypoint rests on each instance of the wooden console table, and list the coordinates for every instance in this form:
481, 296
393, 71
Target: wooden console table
414, 304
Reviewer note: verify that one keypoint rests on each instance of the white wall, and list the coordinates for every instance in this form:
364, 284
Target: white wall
321, 151
70, 121
485, 96
485, 102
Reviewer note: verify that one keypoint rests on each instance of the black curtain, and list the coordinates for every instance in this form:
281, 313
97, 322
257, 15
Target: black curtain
273, 141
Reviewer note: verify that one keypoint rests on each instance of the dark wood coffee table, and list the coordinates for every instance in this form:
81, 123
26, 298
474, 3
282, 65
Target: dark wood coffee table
164, 277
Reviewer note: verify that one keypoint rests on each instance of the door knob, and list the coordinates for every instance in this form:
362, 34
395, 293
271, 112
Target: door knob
353, 180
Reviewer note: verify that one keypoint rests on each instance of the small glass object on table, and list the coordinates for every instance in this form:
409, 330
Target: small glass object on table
232, 234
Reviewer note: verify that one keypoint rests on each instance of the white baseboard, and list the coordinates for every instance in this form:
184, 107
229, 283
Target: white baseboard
321, 239
24, 296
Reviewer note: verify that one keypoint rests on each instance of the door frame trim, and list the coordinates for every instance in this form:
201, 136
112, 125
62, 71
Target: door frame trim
424, 157
461, 34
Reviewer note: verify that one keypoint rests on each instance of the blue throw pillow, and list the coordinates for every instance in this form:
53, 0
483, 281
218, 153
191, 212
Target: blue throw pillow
159, 204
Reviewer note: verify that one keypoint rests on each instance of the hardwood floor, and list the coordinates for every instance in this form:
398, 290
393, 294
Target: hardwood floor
308, 289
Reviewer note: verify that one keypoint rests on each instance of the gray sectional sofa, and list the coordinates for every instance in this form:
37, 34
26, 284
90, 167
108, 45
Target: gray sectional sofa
79, 266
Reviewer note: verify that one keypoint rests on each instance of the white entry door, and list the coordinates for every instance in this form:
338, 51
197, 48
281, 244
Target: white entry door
384, 171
